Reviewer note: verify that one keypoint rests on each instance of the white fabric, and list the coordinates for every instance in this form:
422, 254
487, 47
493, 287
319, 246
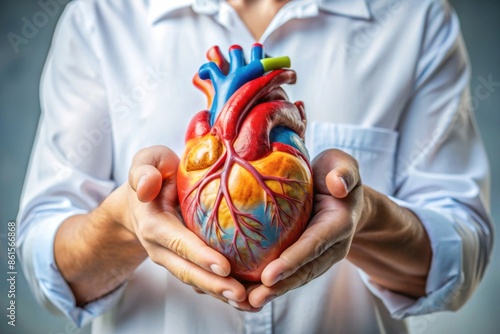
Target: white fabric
386, 81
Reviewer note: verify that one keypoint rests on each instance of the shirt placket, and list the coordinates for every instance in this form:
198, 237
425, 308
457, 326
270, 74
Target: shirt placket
259, 323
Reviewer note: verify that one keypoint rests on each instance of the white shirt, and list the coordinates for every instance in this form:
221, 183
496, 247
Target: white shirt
386, 81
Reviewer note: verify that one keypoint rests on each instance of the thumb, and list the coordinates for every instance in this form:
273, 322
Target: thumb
342, 172
150, 167
337, 184
146, 180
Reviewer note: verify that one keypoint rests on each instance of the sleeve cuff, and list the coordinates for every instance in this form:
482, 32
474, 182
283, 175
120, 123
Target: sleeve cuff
56, 291
445, 275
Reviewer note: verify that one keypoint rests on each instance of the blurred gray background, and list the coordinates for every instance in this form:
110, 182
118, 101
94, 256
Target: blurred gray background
19, 111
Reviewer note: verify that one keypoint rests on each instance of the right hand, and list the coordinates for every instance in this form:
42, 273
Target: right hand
148, 209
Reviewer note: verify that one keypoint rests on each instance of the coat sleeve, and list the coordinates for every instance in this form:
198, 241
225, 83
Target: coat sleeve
442, 172
71, 162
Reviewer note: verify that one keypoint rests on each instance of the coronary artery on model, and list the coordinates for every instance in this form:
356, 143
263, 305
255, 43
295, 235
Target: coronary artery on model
245, 181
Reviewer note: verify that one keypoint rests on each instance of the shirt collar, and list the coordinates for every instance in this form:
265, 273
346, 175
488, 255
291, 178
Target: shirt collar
162, 8
351, 8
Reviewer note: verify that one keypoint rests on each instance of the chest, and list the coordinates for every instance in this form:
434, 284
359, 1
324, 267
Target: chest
350, 103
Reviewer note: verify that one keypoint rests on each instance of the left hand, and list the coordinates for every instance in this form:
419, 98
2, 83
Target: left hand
336, 215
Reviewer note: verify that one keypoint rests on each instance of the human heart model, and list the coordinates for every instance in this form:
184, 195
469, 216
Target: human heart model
245, 181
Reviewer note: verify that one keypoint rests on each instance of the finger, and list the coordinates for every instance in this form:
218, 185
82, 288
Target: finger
335, 173
166, 230
191, 274
242, 306
148, 184
245, 306
325, 229
149, 168
263, 294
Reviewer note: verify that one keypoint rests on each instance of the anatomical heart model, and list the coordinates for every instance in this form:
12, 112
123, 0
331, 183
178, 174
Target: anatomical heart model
244, 181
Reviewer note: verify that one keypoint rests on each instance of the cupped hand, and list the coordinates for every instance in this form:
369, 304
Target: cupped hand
338, 206
151, 196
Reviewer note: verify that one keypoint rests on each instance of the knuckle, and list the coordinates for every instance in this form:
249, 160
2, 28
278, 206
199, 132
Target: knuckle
149, 153
176, 245
349, 226
321, 246
304, 276
140, 154
339, 251
320, 243
311, 273
146, 231
330, 253
185, 274
335, 151
155, 258
321, 265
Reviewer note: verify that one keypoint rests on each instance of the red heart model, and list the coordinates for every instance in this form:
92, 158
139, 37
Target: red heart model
245, 181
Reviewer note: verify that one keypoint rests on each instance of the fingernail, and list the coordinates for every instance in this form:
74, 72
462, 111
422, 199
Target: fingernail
141, 181
344, 183
216, 269
277, 279
229, 295
238, 305
233, 303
